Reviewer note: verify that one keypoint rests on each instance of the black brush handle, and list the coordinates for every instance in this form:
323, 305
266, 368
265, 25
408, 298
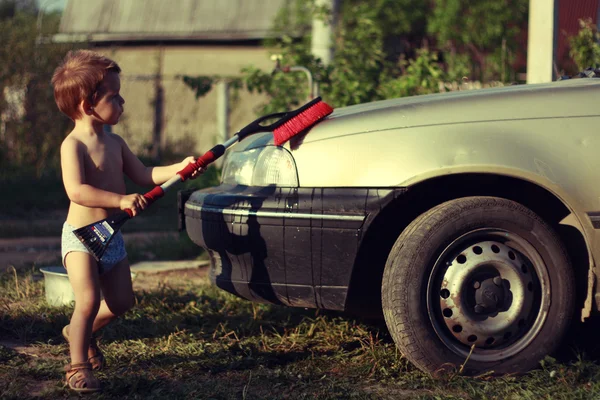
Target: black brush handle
284, 117
255, 125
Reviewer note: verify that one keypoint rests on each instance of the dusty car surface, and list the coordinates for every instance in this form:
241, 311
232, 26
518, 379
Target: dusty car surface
468, 219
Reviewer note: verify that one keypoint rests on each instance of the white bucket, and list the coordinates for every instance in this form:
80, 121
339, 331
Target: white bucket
58, 288
57, 285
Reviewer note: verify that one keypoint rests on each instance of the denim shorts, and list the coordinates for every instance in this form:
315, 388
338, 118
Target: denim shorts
115, 252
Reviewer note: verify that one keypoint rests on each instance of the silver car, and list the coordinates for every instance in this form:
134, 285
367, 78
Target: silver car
470, 220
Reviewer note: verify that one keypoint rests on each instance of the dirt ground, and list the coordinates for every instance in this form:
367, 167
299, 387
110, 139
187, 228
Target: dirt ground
21, 252
182, 277
24, 252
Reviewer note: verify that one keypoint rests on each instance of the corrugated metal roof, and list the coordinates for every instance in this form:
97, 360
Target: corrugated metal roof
170, 19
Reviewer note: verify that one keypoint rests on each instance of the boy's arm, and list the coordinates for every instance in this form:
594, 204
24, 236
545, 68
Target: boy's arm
71, 159
143, 175
162, 174
133, 167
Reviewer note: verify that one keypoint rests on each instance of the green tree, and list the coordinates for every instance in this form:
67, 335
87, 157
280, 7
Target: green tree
486, 30
423, 75
369, 39
30, 142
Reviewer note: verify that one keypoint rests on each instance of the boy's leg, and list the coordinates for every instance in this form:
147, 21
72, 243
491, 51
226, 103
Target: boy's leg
118, 294
83, 275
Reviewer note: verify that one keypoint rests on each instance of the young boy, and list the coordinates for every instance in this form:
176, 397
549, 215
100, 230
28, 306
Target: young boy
86, 89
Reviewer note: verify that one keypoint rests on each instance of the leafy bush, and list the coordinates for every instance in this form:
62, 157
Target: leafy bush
423, 75
585, 49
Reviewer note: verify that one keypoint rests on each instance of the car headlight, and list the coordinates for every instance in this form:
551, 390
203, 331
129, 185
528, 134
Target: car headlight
263, 166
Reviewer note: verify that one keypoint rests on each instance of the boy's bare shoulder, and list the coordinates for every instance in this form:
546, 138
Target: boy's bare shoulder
115, 136
70, 142
118, 139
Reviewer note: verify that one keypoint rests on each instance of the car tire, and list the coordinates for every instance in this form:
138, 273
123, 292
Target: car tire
481, 283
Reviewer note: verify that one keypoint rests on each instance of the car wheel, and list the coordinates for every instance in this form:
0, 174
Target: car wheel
481, 282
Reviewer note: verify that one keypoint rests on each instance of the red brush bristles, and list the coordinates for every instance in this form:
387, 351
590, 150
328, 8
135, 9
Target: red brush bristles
300, 122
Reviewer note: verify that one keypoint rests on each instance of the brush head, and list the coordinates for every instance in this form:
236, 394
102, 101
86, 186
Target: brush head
301, 122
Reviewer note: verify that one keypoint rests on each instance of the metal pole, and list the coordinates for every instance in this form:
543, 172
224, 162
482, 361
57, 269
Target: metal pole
308, 77
313, 87
222, 114
42, 7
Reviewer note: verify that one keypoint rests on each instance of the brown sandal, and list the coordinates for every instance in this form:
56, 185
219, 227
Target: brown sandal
79, 378
97, 359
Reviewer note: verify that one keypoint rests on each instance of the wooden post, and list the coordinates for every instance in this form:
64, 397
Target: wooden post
541, 42
159, 141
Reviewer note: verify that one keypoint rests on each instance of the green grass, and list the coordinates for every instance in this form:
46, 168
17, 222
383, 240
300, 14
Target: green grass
197, 342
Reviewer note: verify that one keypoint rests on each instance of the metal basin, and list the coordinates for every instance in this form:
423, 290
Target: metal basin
57, 286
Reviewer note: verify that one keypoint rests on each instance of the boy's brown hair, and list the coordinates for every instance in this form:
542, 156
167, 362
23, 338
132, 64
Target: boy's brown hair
78, 78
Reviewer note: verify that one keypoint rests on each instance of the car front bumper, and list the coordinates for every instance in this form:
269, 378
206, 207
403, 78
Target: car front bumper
291, 246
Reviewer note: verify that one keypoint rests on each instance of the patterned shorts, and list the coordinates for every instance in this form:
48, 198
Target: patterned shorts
114, 253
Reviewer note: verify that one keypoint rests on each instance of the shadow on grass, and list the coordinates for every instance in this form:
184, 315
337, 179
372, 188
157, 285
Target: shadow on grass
161, 387
150, 387
234, 359
163, 312
29, 329
581, 341
160, 314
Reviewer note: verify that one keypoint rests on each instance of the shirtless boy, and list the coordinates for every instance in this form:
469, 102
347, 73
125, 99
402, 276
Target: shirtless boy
94, 162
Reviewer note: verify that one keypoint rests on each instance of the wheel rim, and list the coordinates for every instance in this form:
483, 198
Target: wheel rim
489, 288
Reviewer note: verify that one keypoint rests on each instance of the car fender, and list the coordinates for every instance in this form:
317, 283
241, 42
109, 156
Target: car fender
557, 154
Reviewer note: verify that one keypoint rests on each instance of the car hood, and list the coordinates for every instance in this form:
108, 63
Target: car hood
533, 101
556, 99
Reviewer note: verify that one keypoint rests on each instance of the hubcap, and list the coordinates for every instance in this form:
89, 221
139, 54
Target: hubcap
485, 291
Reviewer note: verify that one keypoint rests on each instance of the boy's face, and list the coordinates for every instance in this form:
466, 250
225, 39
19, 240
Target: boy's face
109, 107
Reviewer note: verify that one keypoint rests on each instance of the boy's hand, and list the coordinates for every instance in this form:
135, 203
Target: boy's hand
135, 202
191, 160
